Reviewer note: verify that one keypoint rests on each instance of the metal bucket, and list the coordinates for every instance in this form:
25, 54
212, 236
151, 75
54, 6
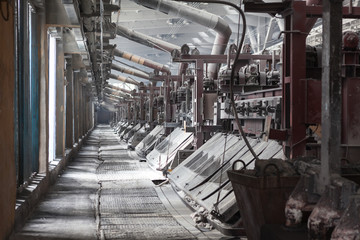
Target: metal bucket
261, 200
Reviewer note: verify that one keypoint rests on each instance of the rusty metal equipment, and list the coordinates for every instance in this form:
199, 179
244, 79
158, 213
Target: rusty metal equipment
262, 199
202, 177
311, 87
276, 95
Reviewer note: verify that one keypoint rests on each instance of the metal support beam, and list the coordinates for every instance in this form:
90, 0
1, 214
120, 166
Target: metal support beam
167, 103
76, 106
82, 111
151, 101
198, 111
43, 92
69, 104
294, 72
142, 110
60, 101
331, 91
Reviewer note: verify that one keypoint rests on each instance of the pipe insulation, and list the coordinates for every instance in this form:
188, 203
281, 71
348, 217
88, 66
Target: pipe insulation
146, 40
120, 89
142, 61
124, 79
115, 92
199, 16
131, 71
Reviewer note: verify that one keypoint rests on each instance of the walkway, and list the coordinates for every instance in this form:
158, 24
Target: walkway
107, 193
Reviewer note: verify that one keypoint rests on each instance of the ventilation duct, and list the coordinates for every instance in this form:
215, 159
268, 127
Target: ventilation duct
199, 16
142, 61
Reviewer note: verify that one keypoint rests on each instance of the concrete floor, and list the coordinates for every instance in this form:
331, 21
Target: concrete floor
107, 193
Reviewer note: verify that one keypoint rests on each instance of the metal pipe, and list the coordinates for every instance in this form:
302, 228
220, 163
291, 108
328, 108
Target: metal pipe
146, 40
199, 16
107, 94
124, 79
115, 92
143, 61
120, 89
131, 71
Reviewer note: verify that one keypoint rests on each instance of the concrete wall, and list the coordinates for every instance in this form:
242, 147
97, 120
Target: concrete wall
7, 157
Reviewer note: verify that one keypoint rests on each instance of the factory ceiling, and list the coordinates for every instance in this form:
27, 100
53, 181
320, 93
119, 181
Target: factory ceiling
99, 33
179, 30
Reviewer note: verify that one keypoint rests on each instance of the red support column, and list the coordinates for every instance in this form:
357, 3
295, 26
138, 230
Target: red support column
294, 72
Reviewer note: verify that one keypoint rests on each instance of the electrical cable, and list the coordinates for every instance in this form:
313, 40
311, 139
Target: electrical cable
233, 67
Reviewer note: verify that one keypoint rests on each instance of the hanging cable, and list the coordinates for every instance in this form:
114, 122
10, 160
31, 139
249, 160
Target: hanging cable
6, 18
241, 12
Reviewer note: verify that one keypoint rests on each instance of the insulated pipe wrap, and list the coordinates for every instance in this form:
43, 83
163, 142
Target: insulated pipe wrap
143, 61
146, 40
124, 79
130, 71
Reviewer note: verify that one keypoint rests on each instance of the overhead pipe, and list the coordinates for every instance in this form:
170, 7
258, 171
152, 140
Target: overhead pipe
106, 94
199, 16
131, 71
109, 97
146, 40
120, 89
142, 61
124, 79
116, 93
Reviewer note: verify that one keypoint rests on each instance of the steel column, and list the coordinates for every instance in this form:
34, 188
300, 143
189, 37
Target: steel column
151, 109
69, 103
81, 121
167, 105
34, 87
43, 93
198, 111
294, 73
76, 106
331, 91
142, 110
60, 101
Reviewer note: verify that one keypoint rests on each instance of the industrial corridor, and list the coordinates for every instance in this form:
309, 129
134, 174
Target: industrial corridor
180, 119
107, 193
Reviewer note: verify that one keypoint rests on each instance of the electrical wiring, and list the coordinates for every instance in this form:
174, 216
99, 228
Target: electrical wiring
233, 67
